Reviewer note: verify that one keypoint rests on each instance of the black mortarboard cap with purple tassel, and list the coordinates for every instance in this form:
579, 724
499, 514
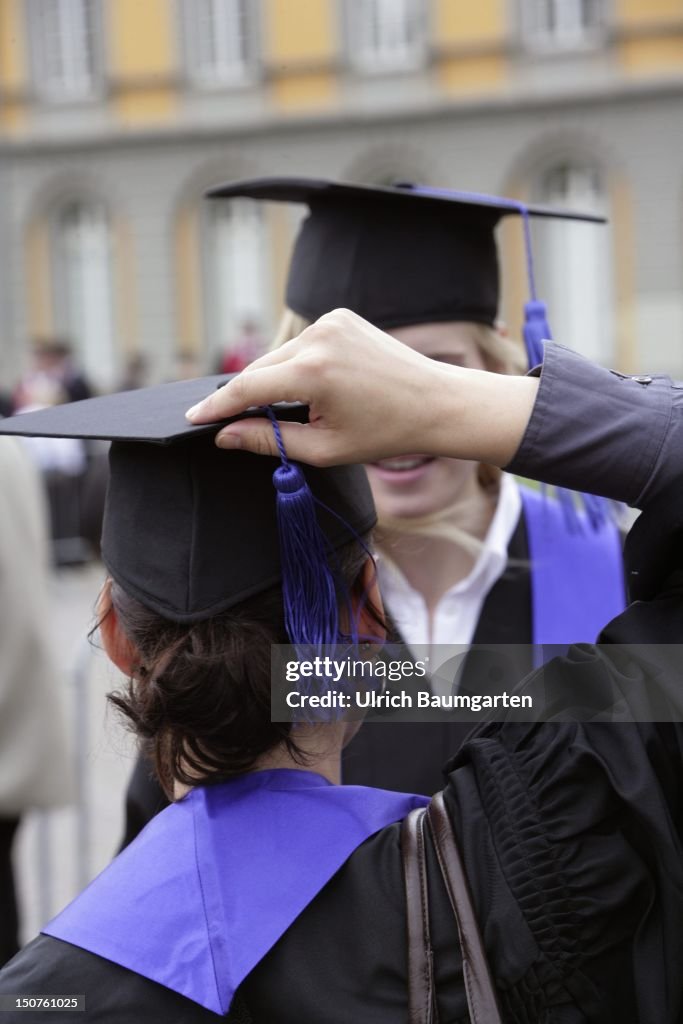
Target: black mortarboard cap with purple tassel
191, 530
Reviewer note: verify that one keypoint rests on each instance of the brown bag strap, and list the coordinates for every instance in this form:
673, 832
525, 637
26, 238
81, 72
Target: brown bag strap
479, 987
421, 1004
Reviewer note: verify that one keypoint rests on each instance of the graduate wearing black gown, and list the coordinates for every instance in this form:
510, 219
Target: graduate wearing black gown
408, 258
570, 830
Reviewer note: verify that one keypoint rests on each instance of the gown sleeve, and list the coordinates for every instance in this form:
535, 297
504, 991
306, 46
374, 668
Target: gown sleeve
600, 431
586, 822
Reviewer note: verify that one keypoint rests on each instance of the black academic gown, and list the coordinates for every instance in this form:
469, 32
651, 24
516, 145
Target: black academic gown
572, 839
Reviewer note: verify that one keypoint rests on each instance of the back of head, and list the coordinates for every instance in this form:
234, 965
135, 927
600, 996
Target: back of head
199, 692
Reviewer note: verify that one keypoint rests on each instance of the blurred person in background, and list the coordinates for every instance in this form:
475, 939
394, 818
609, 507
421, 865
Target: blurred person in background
466, 556
52, 369
74, 473
6, 402
246, 347
135, 373
186, 366
34, 765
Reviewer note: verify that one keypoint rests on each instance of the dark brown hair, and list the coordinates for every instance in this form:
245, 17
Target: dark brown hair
200, 695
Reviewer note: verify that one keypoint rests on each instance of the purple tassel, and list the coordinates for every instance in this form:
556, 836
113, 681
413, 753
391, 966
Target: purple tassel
309, 591
308, 587
569, 510
536, 330
598, 512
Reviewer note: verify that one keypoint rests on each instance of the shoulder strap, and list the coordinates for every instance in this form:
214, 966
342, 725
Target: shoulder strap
421, 1004
479, 988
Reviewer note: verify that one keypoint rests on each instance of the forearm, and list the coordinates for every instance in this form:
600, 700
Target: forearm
370, 397
478, 415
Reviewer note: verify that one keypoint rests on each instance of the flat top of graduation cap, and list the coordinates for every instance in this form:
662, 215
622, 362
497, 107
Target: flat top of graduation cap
155, 414
189, 529
395, 255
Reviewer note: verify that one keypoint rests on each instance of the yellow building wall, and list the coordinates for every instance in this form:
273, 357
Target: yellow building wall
40, 312
475, 72
653, 53
142, 58
514, 281
188, 284
124, 280
299, 30
460, 22
301, 39
281, 237
14, 64
468, 39
304, 90
634, 12
623, 255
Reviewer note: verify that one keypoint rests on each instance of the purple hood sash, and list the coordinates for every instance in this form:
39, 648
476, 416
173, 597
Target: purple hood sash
577, 581
215, 880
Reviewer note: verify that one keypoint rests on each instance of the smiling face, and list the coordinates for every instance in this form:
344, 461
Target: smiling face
419, 485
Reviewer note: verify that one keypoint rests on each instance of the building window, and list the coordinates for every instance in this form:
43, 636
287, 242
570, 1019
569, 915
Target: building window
66, 47
83, 287
562, 24
220, 36
237, 274
573, 263
387, 35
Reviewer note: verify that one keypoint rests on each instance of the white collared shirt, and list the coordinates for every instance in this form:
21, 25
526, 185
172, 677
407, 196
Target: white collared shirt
457, 613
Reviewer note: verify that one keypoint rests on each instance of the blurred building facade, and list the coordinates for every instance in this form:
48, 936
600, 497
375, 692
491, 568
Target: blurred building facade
116, 115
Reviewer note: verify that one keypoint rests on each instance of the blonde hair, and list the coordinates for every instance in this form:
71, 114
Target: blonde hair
291, 325
501, 355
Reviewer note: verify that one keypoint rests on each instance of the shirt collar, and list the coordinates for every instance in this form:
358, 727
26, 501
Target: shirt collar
491, 560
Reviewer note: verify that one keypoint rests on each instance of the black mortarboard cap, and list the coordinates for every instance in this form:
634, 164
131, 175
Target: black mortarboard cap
395, 255
189, 529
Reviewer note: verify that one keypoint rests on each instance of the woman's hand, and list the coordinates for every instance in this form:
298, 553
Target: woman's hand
370, 397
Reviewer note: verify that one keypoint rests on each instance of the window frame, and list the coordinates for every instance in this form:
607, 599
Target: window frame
542, 43
215, 343
363, 64
44, 90
252, 69
62, 291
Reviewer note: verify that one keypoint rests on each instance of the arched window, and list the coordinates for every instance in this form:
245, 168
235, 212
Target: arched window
573, 265
238, 288
83, 286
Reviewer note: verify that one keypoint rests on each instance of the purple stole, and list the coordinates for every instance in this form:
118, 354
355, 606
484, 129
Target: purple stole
215, 880
577, 575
